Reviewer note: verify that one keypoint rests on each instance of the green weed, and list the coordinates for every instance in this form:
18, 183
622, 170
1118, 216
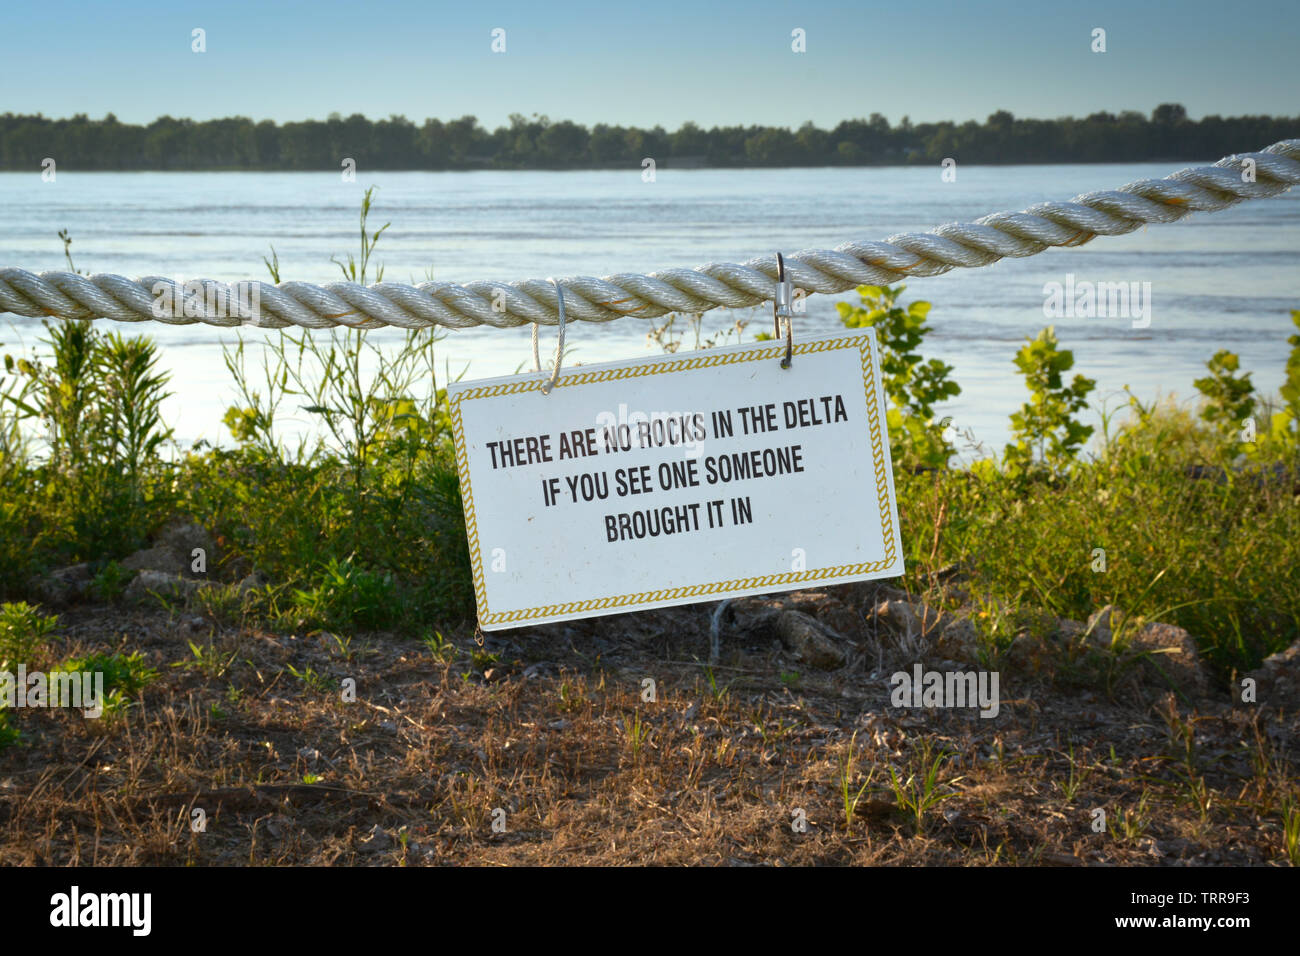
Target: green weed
913, 385
320, 683
128, 673
847, 777
636, 733
922, 789
23, 633
441, 648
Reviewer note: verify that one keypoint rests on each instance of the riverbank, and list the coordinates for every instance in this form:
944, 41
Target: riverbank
1090, 660
613, 741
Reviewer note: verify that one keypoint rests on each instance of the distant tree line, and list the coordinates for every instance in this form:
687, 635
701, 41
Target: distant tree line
541, 143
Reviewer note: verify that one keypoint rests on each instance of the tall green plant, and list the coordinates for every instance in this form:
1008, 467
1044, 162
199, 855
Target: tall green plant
14, 446
913, 384
68, 395
354, 270
133, 391
367, 497
99, 398
1283, 438
1047, 436
1291, 389
252, 421
1228, 399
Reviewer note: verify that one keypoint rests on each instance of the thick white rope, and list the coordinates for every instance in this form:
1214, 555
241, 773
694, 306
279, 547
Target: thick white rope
504, 305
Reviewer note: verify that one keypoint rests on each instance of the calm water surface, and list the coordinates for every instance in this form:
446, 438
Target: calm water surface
1218, 280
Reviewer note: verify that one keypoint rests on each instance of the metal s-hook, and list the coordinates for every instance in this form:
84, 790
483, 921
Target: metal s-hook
559, 343
781, 309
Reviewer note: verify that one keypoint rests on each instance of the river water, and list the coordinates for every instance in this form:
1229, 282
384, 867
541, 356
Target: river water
1217, 280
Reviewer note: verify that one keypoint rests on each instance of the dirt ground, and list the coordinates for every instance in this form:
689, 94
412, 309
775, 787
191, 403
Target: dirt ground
612, 741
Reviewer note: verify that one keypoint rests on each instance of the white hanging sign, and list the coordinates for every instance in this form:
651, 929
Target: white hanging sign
676, 479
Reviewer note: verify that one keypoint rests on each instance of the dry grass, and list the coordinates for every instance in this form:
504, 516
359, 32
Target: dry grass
555, 732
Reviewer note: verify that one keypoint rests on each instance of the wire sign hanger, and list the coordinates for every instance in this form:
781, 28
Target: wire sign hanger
782, 309
559, 343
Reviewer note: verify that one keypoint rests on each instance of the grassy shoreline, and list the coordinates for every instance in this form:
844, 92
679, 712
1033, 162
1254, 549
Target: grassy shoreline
232, 593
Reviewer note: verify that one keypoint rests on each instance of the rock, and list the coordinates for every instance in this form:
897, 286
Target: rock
959, 641
813, 642
898, 616
183, 537
65, 585
1068, 632
910, 627
866, 594
1168, 656
1102, 624
957, 594
915, 619
1027, 652
760, 617
1277, 681
252, 582
173, 551
756, 616
158, 558
376, 841
150, 582
828, 609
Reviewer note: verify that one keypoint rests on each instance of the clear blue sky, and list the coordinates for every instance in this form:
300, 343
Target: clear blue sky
656, 61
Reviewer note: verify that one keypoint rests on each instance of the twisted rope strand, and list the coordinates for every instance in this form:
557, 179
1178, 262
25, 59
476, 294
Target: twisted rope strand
730, 285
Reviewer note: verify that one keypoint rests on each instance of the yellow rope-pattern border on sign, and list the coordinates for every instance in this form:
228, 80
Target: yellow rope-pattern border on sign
702, 360
467, 499
705, 360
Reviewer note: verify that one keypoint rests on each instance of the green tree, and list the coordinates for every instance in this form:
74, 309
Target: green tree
1228, 399
913, 384
1285, 426
1045, 431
